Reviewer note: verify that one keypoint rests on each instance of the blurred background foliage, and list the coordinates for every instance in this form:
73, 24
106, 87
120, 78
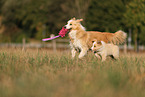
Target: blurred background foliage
36, 19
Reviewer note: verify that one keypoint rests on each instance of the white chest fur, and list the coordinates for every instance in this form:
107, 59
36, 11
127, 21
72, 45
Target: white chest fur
76, 43
73, 34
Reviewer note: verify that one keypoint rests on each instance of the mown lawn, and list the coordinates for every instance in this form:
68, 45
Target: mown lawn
42, 73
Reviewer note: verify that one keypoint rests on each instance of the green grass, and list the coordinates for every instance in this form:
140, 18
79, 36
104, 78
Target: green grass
42, 73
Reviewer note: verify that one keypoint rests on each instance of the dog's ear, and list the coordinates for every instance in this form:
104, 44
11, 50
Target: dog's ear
79, 20
74, 18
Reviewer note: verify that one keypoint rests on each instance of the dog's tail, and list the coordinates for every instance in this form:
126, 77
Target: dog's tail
119, 37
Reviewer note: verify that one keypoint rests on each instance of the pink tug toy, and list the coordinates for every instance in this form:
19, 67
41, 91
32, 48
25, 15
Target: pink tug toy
62, 33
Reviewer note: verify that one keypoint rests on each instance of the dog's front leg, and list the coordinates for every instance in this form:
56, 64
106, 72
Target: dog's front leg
73, 52
83, 52
97, 56
103, 57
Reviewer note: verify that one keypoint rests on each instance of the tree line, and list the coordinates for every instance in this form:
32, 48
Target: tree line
39, 18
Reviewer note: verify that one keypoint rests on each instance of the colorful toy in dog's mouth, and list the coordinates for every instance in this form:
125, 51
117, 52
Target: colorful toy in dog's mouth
62, 33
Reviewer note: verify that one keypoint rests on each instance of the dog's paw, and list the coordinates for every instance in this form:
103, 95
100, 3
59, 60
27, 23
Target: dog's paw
80, 57
72, 58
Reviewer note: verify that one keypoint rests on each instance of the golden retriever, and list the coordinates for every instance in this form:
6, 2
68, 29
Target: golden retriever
82, 39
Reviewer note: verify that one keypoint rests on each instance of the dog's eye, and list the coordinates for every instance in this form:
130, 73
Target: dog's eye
94, 46
70, 24
92, 41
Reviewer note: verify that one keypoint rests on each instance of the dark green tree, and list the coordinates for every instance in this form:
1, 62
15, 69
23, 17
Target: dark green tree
135, 19
21, 17
106, 15
28, 17
1, 4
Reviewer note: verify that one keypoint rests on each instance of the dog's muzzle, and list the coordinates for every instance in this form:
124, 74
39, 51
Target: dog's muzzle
67, 29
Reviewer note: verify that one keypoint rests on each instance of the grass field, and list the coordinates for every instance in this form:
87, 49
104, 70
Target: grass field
42, 73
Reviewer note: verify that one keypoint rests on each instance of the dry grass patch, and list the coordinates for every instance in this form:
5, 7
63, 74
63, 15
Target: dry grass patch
42, 73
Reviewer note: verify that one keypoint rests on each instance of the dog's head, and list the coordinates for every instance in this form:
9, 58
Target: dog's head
96, 45
74, 24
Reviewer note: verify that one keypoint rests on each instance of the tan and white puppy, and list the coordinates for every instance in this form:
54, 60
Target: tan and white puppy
82, 39
105, 49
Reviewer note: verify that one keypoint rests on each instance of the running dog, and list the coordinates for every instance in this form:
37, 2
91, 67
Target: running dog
82, 39
104, 50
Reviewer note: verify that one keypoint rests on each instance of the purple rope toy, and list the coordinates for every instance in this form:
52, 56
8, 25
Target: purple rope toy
62, 33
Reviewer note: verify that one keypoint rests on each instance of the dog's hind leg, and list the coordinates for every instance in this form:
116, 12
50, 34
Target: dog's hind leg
116, 56
83, 52
112, 56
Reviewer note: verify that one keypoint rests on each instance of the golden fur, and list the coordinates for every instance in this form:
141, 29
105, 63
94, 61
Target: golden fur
104, 49
82, 39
